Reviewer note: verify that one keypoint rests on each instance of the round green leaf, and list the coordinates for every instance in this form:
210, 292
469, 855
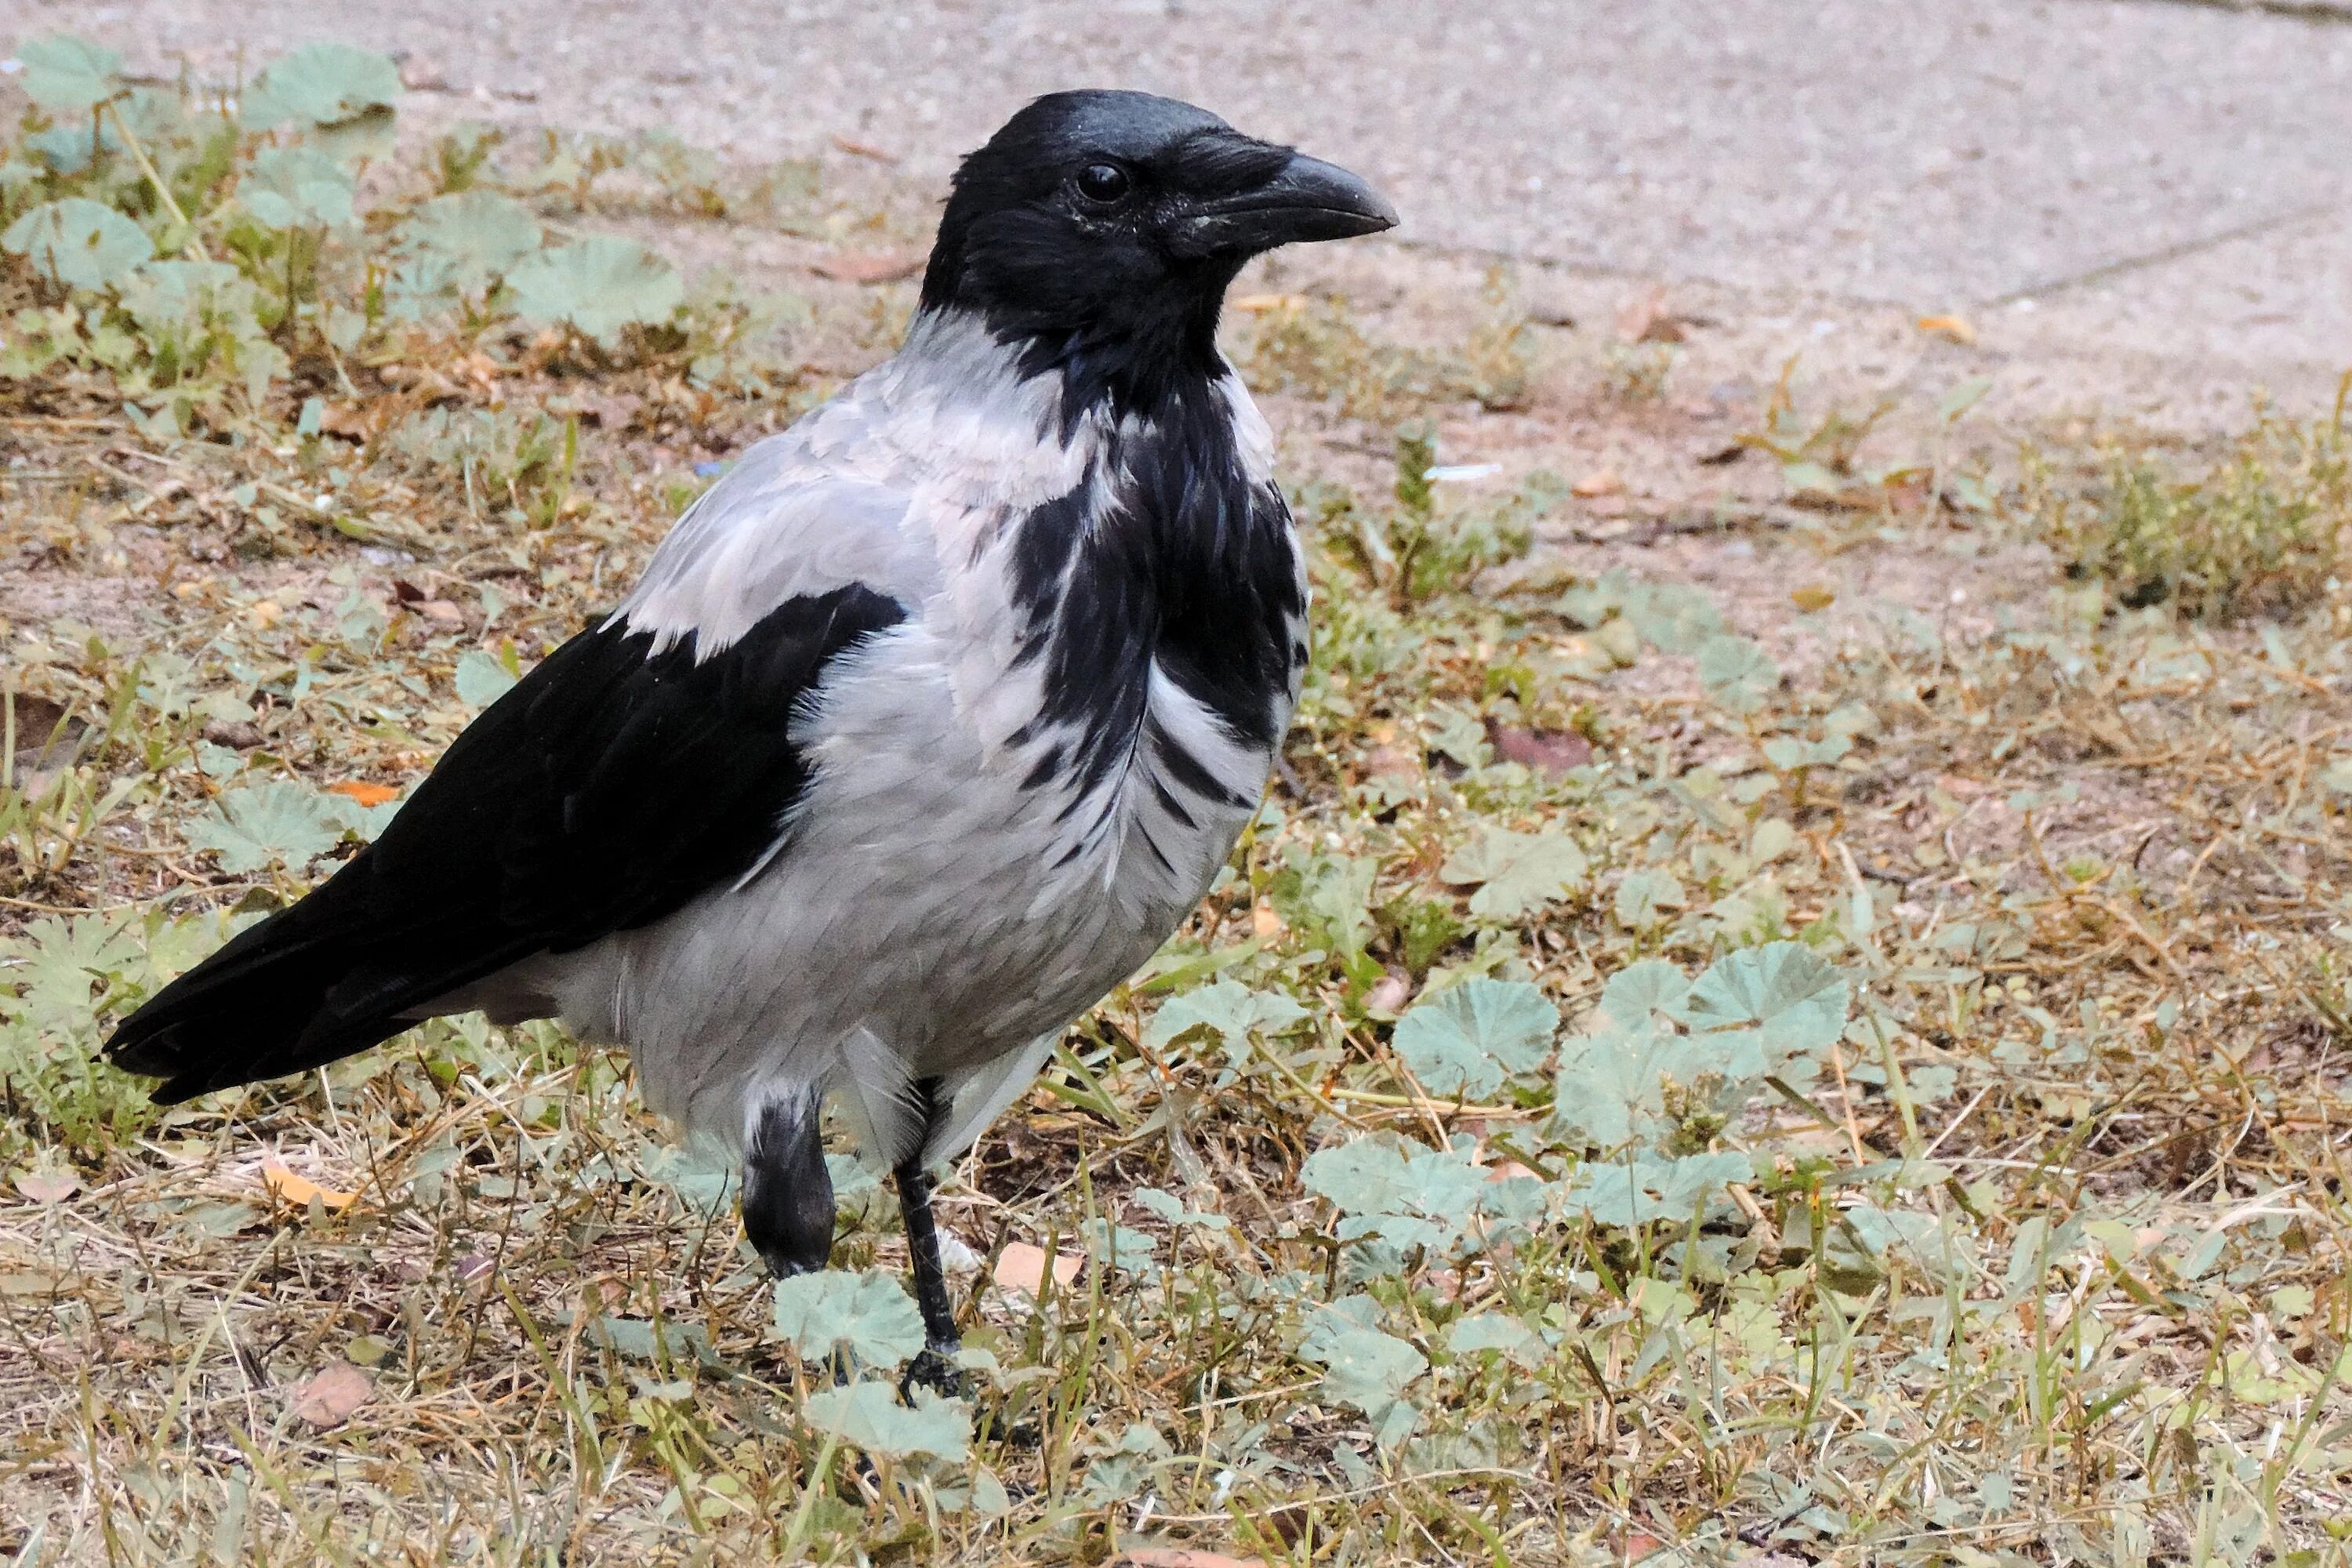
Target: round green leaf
481, 679
1496, 1331
1371, 1370
597, 285
1229, 1009
868, 1415
1784, 990
1737, 674
70, 74
1362, 1177
870, 1315
1467, 1040
297, 187
78, 242
1519, 872
252, 828
1644, 894
1640, 994
1645, 1186
479, 235
322, 84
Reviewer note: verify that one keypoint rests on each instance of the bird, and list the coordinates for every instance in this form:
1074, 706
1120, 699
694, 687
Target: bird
922, 729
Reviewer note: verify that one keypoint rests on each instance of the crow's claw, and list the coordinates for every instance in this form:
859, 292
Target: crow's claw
936, 1370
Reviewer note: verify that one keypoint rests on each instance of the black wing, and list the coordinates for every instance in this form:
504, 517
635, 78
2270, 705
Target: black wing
612, 785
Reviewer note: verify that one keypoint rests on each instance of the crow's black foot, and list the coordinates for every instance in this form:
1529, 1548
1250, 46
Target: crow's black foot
936, 1370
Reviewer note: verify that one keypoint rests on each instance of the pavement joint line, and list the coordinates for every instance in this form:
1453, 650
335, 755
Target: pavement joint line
2179, 250
2324, 13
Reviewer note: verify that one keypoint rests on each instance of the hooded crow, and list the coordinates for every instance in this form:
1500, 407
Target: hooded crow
925, 726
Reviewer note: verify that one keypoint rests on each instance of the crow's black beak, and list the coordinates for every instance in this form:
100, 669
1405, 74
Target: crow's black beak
1307, 200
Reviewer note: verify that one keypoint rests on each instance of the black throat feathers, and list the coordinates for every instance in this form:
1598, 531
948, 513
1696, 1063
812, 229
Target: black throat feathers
1166, 553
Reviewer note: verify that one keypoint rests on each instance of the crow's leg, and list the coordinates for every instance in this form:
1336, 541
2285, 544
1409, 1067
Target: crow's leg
787, 1193
936, 1367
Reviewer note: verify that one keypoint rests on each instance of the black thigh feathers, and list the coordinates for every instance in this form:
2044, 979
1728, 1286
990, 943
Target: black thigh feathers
609, 788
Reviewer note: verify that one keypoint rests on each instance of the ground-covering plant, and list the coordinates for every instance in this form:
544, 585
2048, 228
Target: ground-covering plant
1642, 1088
2263, 528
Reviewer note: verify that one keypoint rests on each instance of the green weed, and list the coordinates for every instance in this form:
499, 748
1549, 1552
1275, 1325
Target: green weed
1418, 548
1638, 373
2262, 530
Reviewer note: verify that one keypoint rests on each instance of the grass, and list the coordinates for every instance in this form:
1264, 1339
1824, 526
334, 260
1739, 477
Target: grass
2262, 530
1860, 1089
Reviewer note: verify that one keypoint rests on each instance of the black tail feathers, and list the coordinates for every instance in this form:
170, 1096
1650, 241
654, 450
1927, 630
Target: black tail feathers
251, 1011
311, 985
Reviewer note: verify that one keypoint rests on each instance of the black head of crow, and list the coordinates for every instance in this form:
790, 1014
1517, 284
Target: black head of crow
919, 732
1102, 230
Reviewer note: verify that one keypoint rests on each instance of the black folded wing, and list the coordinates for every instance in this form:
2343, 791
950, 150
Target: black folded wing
612, 785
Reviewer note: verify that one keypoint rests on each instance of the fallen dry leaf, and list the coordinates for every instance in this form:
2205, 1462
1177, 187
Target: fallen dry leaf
436, 386
1951, 329
228, 733
1551, 312
1022, 1267
1812, 597
606, 411
1545, 750
1264, 922
327, 1397
1644, 318
1180, 1557
364, 793
341, 419
1603, 482
418, 74
297, 1191
869, 267
442, 610
48, 1186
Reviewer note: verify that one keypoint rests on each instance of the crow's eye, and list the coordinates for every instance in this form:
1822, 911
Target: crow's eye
1102, 183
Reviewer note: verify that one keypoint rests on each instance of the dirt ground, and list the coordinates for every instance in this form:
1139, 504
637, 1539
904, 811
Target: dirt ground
2079, 863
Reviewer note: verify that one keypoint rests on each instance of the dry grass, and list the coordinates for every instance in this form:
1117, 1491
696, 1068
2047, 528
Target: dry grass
2023, 1239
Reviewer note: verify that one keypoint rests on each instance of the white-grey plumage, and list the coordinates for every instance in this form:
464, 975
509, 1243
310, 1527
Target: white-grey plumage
934, 915
923, 727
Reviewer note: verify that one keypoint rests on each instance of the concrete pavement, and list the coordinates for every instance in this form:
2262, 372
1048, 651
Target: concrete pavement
2171, 183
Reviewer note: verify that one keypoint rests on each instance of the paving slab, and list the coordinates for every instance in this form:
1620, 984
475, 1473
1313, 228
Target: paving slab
2134, 179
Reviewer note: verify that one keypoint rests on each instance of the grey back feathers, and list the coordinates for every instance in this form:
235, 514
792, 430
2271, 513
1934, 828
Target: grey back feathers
932, 452
952, 885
